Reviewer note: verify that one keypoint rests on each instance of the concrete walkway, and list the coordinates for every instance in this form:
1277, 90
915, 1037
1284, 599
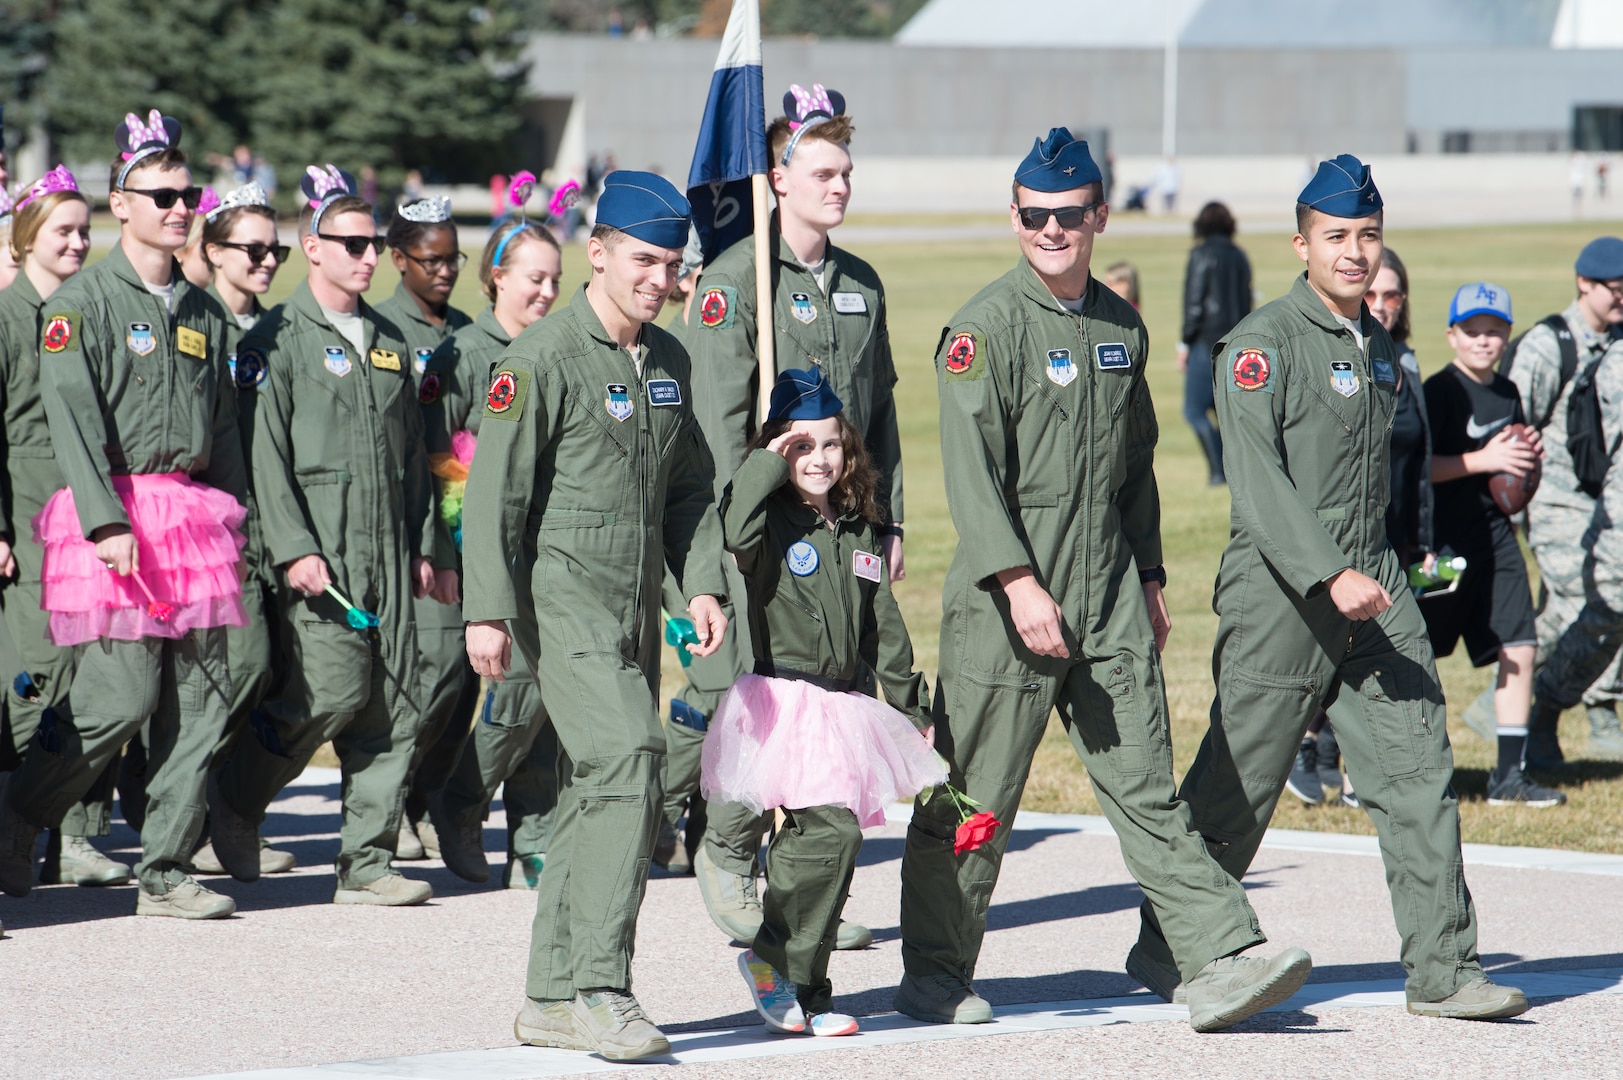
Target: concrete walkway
430, 992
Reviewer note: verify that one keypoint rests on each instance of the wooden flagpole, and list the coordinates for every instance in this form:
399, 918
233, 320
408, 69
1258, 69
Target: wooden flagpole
765, 351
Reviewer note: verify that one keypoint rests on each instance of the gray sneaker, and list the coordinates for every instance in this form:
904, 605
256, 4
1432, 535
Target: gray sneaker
550, 1023
1231, 988
1480, 717
731, 899
852, 935
391, 890
1478, 999
17, 839
941, 999
1605, 734
73, 860
183, 898
235, 838
1164, 982
617, 1026
1516, 788
461, 843
524, 872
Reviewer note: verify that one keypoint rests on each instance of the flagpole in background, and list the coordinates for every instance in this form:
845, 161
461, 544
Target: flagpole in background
727, 185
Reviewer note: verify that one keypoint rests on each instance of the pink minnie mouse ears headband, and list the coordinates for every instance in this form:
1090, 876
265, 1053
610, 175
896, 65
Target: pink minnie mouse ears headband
5, 206
58, 179
137, 139
806, 109
321, 186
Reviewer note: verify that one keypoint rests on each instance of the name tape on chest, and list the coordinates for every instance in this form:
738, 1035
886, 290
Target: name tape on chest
802, 558
337, 360
1251, 370
1112, 356
664, 392
191, 342
506, 398
618, 401
850, 303
866, 565
1383, 372
385, 359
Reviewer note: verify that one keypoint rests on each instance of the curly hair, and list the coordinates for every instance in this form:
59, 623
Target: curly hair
856, 492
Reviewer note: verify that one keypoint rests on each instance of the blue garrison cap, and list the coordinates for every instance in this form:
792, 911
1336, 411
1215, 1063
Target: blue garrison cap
644, 205
803, 395
1479, 298
1057, 163
1601, 259
1342, 188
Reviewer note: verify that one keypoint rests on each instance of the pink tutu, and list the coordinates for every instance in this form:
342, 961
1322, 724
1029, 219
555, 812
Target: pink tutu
189, 541
785, 742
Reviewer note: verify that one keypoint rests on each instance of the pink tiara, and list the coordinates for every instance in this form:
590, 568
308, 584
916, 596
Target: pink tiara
58, 179
210, 201
564, 198
519, 188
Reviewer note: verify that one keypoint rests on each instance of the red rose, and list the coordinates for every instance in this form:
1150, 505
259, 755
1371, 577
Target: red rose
974, 832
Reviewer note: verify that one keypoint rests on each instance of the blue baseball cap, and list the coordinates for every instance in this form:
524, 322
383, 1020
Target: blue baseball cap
1342, 187
803, 395
1601, 259
1057, 163
1479, 298
644, 205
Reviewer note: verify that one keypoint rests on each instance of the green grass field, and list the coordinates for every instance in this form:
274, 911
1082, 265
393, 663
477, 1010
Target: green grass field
926, 282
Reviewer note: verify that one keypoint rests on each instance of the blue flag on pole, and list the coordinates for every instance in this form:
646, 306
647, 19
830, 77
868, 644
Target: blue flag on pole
732, 136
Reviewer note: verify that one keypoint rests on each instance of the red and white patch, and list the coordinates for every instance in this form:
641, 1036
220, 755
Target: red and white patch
428, 391
1251, 369
502, 391
713, 308
866, 566
58, 334
961, 354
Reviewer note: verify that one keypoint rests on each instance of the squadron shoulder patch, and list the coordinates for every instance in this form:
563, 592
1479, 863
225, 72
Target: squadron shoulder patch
716, 307
506, 398
428, 390
1251, 369
959, 359
249, 368
61, 332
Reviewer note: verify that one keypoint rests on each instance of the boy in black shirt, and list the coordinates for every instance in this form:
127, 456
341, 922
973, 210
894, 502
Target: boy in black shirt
1472, 410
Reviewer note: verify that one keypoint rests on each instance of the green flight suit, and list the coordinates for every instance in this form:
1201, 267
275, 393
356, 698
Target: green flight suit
1307, 420
590, 477
1048, 442
340, 471
449, 685
251, 648
822, 625
512, 744
839, 326
113, 410
31, 477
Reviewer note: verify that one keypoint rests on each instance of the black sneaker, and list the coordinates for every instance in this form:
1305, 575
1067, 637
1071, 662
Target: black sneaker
1303, 782
1329, 763
1350, 800
1516, 789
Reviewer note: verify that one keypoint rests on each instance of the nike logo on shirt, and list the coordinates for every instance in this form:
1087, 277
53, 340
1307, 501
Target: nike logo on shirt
1474, 430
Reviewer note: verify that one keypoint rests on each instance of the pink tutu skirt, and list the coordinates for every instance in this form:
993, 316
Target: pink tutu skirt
785, 742
189, 541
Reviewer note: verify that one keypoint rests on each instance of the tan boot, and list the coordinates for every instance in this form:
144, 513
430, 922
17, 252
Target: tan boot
390, 890
183, 898
77, 862
1478, 999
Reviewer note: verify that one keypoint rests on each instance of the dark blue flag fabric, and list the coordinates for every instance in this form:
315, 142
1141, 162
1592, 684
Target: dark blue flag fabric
732, 136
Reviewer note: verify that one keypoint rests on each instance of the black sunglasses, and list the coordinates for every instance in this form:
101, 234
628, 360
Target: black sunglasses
435, 265
257, 253
1069, 217
356, 245
164, 198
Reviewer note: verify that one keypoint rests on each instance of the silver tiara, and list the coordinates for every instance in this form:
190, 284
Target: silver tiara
249, 194
429, 211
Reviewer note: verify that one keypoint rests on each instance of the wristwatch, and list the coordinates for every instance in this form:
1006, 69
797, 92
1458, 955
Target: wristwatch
1157, 574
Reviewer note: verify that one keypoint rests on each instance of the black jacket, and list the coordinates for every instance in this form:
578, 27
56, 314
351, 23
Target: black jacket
1216, 290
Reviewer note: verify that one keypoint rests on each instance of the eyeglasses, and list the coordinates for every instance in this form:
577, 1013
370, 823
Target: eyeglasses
1069, 217
356, 245
437, 265
257, 253
164, 198
1614, 286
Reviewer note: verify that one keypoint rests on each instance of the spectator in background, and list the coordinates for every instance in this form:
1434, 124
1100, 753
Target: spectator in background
265, 175
1216, 295
1166, 182
1121, 278
242, 165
